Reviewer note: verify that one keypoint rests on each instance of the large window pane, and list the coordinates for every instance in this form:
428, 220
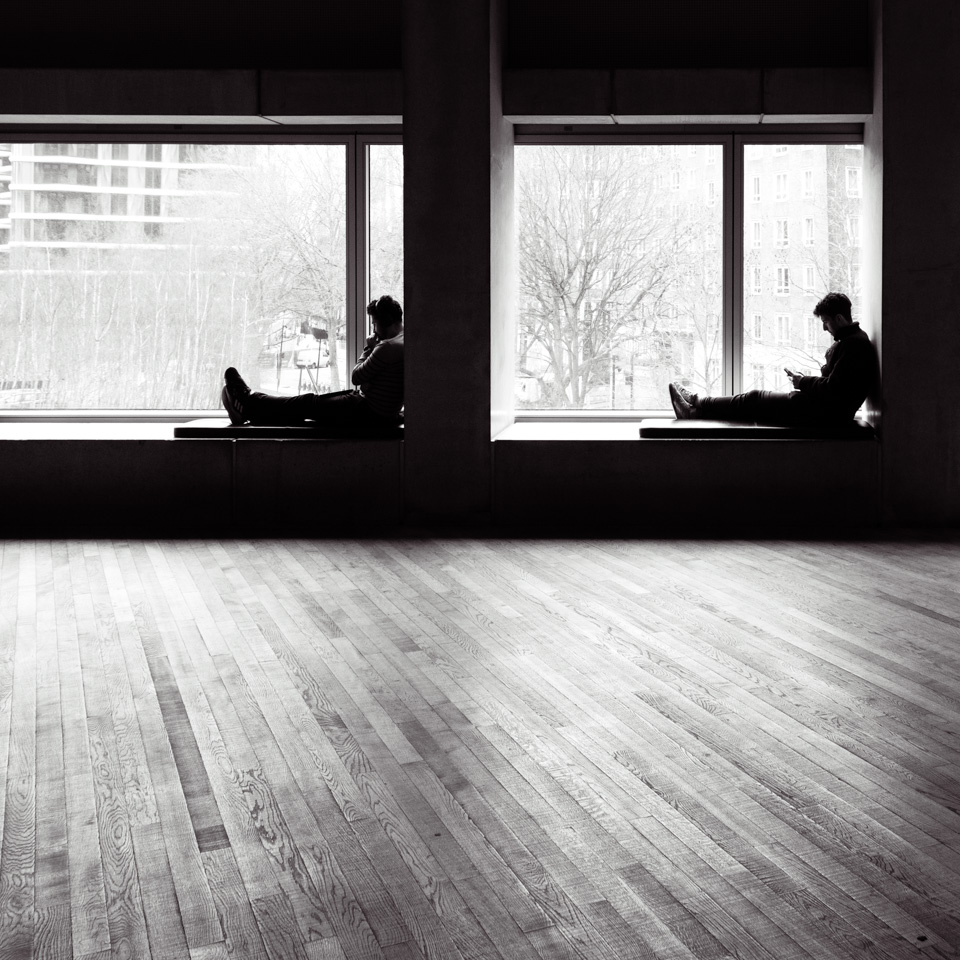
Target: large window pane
385, 250
801, 240
620, 273
132, 274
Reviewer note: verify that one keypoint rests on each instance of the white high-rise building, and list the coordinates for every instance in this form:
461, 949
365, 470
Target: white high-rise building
58, 196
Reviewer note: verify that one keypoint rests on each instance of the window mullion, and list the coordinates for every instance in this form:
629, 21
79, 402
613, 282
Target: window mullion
733, 277
356, 230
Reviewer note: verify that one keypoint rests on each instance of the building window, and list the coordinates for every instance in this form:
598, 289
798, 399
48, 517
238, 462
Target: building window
783, 281
675, 180
853, 181
814, 328
755, 234
162, 269
853, 231
711, 192
783, 328
783, 237
808, 279
781, 186
755, 285
757, 326
756, 190
807, 183
808, 231
779, 149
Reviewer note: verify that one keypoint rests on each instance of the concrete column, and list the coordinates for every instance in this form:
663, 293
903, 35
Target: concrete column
921, 267
458, 209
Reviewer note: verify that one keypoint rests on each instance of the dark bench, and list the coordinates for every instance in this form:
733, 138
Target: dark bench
214, 428
662, 429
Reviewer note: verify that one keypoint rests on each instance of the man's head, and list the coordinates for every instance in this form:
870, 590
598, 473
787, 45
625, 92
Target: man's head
834, 311
387, 316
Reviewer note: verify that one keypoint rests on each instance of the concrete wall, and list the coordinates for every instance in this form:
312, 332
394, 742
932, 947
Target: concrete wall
454, 148
920, 262
186, 95
687, 485
102, 487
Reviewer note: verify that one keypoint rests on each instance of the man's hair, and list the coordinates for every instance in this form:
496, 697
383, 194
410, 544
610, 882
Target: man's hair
832, 304
386, 310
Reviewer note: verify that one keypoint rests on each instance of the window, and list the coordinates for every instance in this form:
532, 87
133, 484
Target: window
827, 220
853, 181
853, 231
651, 306
756, 370
630, 339
814, 329
153, 267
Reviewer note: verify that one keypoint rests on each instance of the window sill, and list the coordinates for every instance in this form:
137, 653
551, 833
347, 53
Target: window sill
572, 430
85, 430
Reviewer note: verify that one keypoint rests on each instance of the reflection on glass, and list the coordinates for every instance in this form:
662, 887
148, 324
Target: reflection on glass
385, 252
158, 266
620, 274
798, 247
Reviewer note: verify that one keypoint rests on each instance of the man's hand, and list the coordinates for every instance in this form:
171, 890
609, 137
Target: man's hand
368, 346
793, 377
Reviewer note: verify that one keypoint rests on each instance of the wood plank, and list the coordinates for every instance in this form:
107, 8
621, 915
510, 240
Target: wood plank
18, 846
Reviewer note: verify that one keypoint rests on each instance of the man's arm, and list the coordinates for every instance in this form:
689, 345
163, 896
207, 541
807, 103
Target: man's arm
374, 360
849, 379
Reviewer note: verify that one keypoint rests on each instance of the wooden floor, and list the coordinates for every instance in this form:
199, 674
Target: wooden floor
479, 749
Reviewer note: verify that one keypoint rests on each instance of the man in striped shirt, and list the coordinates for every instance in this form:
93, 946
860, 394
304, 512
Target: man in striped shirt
375, 402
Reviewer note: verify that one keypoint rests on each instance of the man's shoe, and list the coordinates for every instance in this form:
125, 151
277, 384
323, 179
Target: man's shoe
236, 397
685, 404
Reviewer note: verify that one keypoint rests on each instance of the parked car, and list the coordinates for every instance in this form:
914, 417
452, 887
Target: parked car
312, 353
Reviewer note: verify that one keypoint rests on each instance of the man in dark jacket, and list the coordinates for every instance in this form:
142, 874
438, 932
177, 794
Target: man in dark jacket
375, 404
846, 379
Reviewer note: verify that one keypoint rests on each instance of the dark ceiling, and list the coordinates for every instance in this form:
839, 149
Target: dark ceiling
367, 33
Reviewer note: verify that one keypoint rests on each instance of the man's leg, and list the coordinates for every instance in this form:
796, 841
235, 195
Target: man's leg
756, 406
342, 408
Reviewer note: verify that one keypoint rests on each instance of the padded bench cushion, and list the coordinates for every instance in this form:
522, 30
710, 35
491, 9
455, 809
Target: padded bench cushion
213, 428
722, 430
